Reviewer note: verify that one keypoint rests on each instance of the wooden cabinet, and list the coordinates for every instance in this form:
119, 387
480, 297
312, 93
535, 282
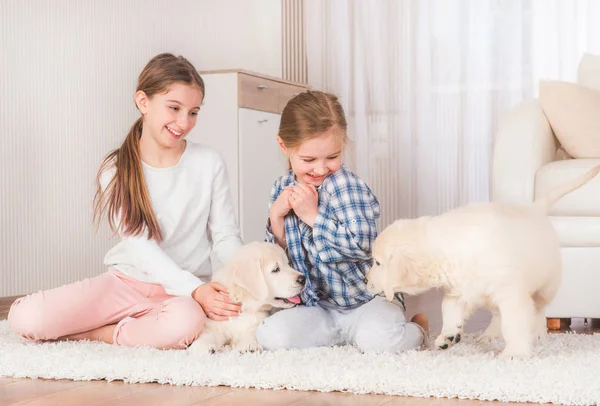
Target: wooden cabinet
240, 119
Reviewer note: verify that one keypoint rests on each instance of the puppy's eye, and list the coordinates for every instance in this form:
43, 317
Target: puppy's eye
275, 270
377, 263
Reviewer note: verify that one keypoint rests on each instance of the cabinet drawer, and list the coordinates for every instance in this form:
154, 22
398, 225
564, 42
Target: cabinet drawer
259, 93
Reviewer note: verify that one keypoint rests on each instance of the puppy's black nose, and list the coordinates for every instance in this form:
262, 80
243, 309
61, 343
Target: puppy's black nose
301, 279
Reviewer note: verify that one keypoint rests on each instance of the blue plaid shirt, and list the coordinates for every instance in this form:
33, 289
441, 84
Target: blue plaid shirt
335, 254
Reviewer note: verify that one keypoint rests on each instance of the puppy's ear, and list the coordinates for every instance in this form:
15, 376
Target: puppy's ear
400, 264
249, 276
389, 277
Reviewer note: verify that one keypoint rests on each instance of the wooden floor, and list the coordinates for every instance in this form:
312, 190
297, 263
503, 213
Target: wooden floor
34, 392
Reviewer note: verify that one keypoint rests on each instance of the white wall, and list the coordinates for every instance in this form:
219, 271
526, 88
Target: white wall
68, 71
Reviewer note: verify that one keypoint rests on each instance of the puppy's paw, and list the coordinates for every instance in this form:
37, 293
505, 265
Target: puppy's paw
540, 333
516, 352
247, 346
447, 340
201, 347
201, 350
484, 339
512, 355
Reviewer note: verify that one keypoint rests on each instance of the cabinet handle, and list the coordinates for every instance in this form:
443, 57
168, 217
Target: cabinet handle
264, 120
263, 86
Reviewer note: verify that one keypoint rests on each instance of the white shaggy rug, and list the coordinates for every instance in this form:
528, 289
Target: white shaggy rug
564, 370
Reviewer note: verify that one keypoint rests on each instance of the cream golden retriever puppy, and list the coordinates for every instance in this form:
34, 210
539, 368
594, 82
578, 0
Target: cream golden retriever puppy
258, 277
500, 256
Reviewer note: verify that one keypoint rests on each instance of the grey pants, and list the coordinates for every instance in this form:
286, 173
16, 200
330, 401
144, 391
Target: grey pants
377, 325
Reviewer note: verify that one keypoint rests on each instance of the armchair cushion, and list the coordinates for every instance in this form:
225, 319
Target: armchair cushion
523, 144
588, 72
572, 111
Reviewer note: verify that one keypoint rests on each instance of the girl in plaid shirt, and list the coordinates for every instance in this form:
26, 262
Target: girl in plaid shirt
325, 217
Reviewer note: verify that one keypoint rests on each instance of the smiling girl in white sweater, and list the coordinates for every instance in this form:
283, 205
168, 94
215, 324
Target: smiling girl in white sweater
167, 198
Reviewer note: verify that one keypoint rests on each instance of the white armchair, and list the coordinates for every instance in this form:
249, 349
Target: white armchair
526, 164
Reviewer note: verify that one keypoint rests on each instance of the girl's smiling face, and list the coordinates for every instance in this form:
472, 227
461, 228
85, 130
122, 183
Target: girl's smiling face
315, 159
169, 117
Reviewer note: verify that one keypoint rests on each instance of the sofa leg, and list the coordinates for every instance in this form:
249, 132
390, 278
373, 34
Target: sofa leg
558, 324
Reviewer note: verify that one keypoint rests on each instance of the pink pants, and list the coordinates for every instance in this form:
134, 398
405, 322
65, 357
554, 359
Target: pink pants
145, 313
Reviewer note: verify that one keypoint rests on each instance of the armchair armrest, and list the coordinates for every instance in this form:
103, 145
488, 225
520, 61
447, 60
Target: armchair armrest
523, 144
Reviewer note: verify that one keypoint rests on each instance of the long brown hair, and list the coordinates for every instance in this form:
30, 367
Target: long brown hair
126, 196
310, 114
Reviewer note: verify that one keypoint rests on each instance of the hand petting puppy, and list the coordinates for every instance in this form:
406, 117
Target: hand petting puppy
214, 299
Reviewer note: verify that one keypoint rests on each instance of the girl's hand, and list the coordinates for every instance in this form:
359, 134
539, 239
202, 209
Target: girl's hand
304, 200
281, 206
215, 302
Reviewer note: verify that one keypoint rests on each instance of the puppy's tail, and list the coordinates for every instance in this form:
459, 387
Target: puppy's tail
546, 203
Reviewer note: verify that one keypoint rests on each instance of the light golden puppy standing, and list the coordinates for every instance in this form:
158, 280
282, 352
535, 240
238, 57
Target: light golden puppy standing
259, 277
501, 256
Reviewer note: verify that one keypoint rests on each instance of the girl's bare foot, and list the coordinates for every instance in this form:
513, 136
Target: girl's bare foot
421, 320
